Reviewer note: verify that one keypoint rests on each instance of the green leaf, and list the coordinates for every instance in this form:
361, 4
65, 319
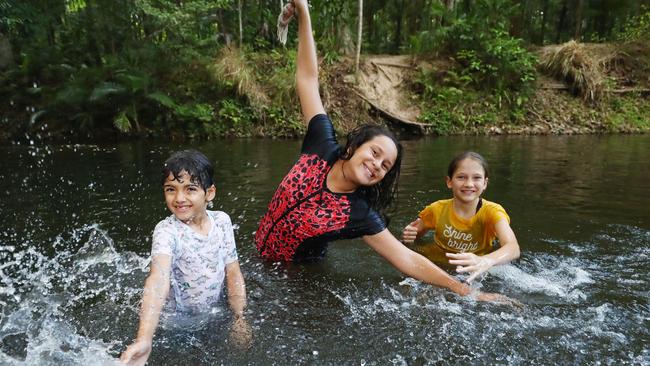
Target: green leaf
122, 123
104, 90
163, 99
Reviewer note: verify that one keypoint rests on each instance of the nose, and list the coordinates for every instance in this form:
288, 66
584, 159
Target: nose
180, 197
376, 164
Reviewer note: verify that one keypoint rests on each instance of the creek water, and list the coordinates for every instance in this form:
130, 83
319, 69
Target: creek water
76, 227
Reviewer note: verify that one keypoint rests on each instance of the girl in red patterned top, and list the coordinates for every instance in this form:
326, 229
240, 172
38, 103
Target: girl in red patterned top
335, 193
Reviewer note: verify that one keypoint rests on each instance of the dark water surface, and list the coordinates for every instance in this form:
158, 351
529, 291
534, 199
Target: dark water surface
75, 230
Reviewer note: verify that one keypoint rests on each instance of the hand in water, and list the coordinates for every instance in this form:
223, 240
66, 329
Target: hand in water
498, 299
469, 262
241, 333
136, 354
410, 232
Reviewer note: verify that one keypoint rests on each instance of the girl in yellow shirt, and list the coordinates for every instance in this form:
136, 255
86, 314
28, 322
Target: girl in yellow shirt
466, 225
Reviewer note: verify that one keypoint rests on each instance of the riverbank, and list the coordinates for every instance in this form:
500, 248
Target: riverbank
578, 89
600, 88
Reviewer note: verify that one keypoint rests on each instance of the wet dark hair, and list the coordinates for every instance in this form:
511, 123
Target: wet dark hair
193, 162
453, 165
381, 195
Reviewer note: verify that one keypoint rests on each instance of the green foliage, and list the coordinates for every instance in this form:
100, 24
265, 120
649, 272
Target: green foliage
637, 28
629, 111
492, 59
234, 117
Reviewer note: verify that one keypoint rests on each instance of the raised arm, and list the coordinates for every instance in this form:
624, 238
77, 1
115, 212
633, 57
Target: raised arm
475, 265
156, 289
306, 64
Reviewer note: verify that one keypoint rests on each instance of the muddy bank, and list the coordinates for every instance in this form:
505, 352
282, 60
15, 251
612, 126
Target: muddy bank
600, 88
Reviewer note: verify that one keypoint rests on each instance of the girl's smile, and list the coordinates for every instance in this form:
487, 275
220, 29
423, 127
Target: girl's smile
371, 161
468, 181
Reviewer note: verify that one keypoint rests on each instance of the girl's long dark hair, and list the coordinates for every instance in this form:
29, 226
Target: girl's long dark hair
381, 195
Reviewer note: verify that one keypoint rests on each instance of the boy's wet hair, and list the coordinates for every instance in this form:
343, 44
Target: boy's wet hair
453, 165
193, 162
381, 195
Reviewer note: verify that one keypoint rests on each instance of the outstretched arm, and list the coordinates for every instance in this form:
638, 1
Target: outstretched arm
306, 64
414, 265
475, 265
156, 289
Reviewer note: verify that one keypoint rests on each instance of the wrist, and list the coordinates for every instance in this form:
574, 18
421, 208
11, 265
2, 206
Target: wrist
462, 289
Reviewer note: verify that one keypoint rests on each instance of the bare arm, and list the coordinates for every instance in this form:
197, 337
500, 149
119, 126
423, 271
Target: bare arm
241, 331
509, 250
413, 264
307, 65
236, 288
156, 290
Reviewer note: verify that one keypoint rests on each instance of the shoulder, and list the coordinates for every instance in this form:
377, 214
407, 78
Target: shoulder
167, 224
220, 217
439, 205
492, 206
494, 211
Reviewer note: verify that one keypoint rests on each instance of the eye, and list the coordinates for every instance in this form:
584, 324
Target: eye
374, 152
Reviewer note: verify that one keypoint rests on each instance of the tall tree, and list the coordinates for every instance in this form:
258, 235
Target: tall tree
359, 34
579, 11
560, 23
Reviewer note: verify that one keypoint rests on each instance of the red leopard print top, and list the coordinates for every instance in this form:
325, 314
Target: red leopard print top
304, 215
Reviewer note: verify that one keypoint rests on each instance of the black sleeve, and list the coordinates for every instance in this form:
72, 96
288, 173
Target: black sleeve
374, 223
320, 138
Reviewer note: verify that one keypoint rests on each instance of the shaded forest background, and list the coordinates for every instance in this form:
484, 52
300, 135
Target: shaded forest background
78, 69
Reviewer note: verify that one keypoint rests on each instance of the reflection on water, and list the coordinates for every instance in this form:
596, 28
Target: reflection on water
75, 235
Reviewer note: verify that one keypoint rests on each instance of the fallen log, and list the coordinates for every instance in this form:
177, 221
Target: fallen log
410, 126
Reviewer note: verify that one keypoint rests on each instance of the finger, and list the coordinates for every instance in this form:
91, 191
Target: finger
415, 223
461, 262
459, 255
466, 268
472, 277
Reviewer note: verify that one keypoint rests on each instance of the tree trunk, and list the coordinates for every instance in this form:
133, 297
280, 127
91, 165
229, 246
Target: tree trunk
578, 31
543, 27
359, 34
398, 27
241, 27
6, 53
560, 23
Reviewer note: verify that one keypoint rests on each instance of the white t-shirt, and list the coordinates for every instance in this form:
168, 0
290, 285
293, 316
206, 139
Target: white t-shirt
199, 262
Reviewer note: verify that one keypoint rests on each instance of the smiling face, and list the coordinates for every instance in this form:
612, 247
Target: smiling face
468, 181
371, 161
186, 199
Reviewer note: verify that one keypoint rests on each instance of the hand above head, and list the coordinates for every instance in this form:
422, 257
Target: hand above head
410, 232
137, 353
471, 263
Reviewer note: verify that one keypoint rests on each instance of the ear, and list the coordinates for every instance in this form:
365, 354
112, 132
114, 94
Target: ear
448, 180
210, 193
486, 183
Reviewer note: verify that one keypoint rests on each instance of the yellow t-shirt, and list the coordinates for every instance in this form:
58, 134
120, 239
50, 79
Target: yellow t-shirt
455, 234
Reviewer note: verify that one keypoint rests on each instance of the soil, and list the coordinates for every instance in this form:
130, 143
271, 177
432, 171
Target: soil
383, 88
